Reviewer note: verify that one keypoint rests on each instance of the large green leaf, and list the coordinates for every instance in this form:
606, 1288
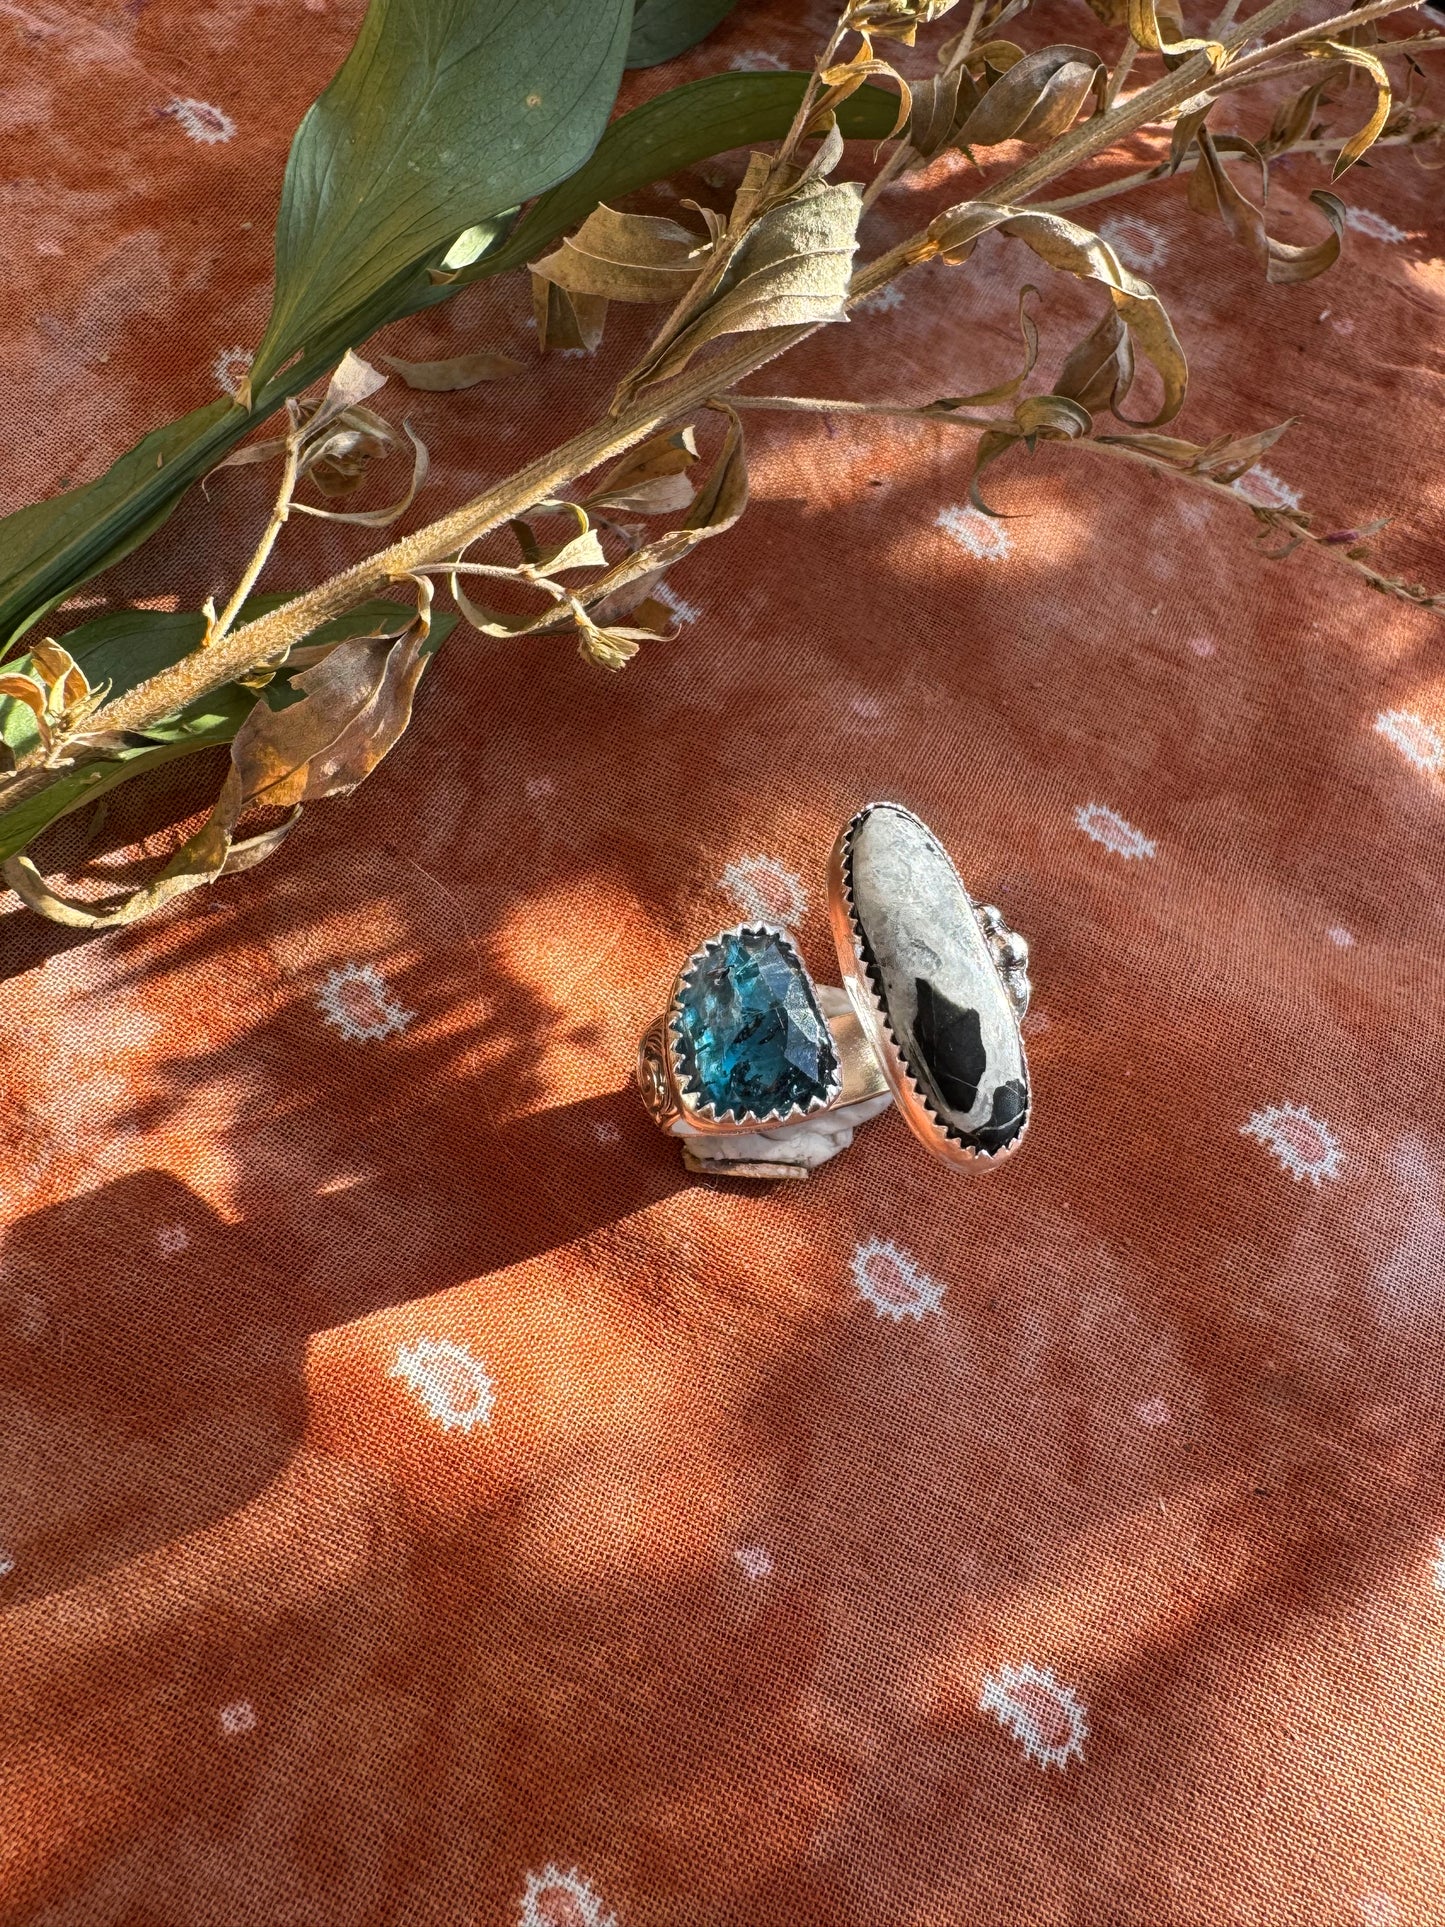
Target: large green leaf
445, 115
125, 648
48, 550
662, 29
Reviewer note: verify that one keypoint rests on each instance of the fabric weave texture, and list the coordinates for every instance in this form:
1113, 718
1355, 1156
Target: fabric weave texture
424, 1505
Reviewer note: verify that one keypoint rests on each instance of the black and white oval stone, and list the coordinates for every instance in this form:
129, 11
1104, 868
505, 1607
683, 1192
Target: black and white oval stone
932, 971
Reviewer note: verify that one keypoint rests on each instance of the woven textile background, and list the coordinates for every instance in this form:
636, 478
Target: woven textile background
422, 1505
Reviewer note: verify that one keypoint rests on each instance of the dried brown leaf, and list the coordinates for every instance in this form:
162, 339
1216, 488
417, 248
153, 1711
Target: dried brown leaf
1099, 372
23, 689
379, 518
627, 257
1005, 390
1294, 120
792, 267
565, 320
1365, 137
1037, 99
355, 704
1076, 250
462, 371
940, 103
651, 479
845, 80
1211, 189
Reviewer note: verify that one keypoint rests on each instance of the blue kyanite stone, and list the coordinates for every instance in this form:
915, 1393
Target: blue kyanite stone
750, 1034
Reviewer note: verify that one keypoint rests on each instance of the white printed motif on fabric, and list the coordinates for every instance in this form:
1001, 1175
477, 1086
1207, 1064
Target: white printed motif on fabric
1364, 220
764, 891
354, 1000
1106, 826
557, 1899
881, 301
755, 1561
669, 598
1043, 1715
1263, 487
1304, 1145
892, 1283
984, 536
449, 1382
1378, 1910
201, 120
1418, 742
229, 368
1138, 245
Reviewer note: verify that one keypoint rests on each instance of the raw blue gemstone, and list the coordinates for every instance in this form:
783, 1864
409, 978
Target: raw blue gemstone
751, 1036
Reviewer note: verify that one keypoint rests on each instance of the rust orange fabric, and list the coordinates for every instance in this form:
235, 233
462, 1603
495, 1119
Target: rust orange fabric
421, 1502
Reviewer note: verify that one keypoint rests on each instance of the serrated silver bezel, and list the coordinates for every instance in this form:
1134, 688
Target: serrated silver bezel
865, 992
703, 1117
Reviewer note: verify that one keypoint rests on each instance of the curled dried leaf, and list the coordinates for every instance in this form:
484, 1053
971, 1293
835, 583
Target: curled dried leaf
791, 267
846, 78
940, 103
601, 610
1148, 28
337, 457
462, 371
1005, 390
1037, 99
565, 320
1365, 137
1048, 418
651, 479
1294, 120
1211, 189
355, 704
627, 257
1099, 372
379, 518
1076, 250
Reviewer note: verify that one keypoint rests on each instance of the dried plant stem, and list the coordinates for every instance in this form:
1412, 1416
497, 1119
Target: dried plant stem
1160, 171
267, 638
1203, 484
221, 626
963, 46
1121, 72
1323, 30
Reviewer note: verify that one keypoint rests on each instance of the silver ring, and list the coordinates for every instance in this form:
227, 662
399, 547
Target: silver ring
761, 1072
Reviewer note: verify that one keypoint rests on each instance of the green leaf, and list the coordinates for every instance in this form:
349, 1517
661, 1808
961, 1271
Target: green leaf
52, 546
129, 646
662, 29
445, 115
47, 551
